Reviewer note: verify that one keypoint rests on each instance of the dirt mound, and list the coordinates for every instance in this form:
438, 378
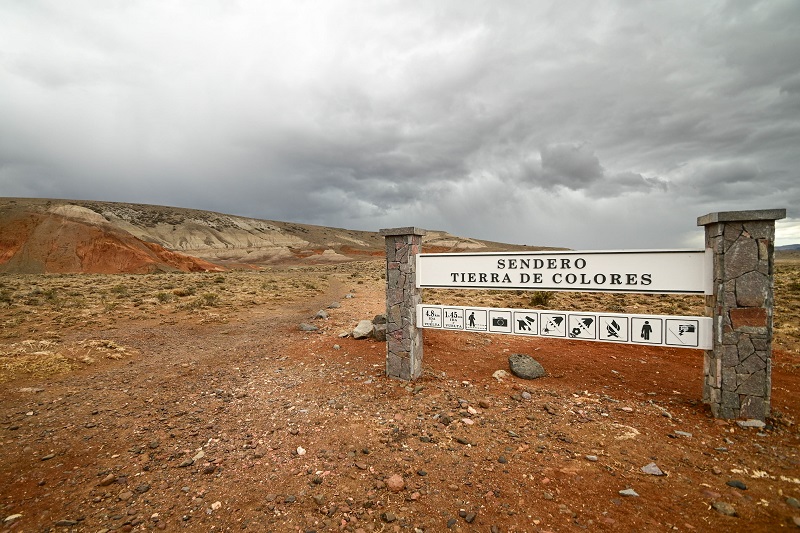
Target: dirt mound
67, 239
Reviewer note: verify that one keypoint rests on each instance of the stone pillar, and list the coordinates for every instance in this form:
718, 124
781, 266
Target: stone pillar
403, 338
738, 370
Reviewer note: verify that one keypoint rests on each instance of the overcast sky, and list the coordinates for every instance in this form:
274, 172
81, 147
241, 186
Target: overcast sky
585, 124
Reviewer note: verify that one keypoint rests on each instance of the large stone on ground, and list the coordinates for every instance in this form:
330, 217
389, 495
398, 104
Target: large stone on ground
363, 329
525, 367
379, 332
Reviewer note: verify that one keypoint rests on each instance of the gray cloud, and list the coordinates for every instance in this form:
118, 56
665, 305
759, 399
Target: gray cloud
575, 124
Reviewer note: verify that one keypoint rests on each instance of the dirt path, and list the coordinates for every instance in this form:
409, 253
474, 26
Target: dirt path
243, 422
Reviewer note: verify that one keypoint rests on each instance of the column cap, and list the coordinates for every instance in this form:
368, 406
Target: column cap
390, 232
741, 216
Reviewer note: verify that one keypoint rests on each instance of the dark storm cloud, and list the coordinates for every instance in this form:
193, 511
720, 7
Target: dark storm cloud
504, 121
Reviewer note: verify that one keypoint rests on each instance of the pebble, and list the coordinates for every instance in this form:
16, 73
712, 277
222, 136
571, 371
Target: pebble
683, 434
592, 458
794, 502
307, 327
48, 457
629, 492
751, 423
108, 480
66, 523
724, 508
12, 517
526, 395
395, 483
735, 483
388, 517
652, 469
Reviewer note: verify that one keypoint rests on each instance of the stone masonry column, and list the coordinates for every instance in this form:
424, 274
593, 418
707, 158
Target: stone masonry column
738, 370
403, 338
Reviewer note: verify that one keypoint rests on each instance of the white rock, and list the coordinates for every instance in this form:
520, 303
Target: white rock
500, 375
363, 329
301, 450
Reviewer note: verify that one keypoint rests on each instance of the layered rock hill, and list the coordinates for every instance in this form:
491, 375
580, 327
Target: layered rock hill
63, 236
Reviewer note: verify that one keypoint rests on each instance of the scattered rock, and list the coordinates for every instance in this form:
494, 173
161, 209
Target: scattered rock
500, 375
751, 423
735, 483
395, 483
794, 502
629, 492
388, 517
108, 480
363, 329
321, 315
379, 319
525, 366
11, 518
592, 458
724, 508
652, 469
66, 523
48, 456
379, 332
683, 434
308, 327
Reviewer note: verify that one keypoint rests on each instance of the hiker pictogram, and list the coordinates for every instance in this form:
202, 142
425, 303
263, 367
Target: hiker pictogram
476, 319
647, 330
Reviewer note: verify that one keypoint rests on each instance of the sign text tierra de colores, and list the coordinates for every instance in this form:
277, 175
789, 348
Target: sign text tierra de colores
652, 271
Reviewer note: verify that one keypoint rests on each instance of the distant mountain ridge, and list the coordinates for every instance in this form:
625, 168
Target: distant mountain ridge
50, 235
788, 248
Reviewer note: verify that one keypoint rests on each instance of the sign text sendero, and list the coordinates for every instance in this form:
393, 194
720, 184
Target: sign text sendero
660, 271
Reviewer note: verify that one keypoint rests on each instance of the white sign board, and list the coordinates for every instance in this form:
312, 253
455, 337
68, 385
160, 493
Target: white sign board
681, 272
660, 330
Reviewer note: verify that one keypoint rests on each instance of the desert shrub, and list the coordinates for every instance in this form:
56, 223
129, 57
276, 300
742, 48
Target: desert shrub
210, 299
164, 297
120, 290
183, 291
6, 297
541, 298
219, 278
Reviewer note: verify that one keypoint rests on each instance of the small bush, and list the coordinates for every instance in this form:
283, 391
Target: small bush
119, 290
183, 291
541, 298
164, 297
209, 299
219, 278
